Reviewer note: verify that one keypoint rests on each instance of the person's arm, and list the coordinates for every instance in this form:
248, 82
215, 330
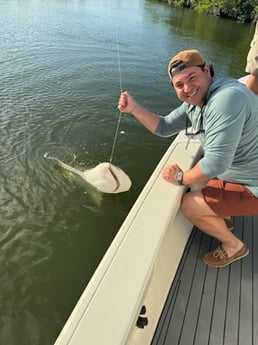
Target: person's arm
127, 104
191, 176
252, 83
252, 63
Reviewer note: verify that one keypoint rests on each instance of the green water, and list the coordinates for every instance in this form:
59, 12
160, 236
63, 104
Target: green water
60, 85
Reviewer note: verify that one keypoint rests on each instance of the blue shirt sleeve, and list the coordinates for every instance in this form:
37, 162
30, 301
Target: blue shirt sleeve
226, 135
173, 122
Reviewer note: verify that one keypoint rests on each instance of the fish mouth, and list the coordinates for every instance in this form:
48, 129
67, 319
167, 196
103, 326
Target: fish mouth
115, 178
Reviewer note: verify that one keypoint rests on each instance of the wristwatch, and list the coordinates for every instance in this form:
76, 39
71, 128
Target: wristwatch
179, 177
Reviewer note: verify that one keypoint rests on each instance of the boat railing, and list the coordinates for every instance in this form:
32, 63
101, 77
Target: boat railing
125, 296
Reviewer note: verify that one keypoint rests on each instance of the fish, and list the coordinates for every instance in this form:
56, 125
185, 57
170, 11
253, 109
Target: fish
105, 177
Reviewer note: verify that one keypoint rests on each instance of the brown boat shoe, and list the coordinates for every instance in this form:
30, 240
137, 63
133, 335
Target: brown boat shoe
219, 258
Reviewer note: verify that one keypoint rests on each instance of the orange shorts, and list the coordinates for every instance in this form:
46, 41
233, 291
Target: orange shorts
230, 199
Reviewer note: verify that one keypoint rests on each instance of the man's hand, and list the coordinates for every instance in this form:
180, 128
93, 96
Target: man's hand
127, 103
169, 173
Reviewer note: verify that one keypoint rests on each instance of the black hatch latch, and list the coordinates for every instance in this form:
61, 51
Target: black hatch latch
142, 320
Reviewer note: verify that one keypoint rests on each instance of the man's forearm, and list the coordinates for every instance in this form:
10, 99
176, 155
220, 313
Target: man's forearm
147, 118
194, 175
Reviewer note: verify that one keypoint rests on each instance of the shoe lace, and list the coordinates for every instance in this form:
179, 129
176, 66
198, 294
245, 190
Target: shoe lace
220, 253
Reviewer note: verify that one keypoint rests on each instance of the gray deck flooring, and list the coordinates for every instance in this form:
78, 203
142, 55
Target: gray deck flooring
209, 306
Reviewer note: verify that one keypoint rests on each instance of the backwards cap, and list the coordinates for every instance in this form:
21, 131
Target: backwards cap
184, 59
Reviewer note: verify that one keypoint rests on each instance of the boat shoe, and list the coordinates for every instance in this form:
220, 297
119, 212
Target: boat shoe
219, 258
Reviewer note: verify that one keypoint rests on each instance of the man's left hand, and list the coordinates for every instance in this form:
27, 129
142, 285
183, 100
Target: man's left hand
169, 173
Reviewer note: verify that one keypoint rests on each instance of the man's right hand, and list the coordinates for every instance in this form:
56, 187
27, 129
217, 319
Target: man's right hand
126, 103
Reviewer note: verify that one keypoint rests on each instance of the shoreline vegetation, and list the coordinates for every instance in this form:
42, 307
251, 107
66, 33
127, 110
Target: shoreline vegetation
240, 10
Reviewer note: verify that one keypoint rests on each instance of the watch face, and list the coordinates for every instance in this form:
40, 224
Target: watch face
179, 177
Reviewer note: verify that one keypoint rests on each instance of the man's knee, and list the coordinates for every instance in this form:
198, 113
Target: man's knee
187, 204
193, 204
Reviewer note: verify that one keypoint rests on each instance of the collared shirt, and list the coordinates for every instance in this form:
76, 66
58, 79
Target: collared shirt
229, 140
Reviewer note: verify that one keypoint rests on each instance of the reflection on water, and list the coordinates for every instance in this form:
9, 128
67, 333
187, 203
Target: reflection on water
59, 90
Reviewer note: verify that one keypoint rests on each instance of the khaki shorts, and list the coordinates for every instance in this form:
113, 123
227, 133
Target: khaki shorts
230, 199
252, 56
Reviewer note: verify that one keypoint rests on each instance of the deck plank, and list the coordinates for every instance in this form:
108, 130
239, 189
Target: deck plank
209, 306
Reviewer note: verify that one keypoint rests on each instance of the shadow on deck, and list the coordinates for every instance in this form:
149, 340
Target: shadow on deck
209, 306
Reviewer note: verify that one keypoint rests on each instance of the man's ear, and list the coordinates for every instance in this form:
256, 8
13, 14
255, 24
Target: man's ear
208, 68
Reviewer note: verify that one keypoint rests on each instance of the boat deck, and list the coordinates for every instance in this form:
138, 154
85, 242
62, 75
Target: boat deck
209, 306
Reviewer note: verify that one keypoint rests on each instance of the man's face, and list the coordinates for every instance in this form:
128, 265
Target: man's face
192, 84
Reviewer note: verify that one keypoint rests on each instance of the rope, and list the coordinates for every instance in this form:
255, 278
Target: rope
121, 89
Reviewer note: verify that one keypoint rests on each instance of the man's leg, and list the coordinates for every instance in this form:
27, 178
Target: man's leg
200, 214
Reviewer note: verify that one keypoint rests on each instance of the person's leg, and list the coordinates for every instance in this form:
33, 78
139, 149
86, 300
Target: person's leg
200, 214
207, 209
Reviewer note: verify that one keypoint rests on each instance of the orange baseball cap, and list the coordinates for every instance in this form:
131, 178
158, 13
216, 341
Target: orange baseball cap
184, 59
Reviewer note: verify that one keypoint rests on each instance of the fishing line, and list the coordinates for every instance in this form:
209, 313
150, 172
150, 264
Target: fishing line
121, 89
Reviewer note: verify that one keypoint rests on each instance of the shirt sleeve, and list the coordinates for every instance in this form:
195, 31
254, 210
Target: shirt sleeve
225, 119
252, 56
173, 122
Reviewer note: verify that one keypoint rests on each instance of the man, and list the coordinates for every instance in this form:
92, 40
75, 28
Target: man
224, 115
252, 63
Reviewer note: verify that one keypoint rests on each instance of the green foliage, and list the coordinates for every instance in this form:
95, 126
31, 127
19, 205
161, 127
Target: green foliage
205, 6
241, 10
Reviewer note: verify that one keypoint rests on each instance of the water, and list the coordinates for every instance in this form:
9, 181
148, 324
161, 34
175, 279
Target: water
59, 90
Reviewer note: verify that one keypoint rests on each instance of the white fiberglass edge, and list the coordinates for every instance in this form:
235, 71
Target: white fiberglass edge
134, 271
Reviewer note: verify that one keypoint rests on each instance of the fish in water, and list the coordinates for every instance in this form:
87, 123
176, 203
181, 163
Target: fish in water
105, 177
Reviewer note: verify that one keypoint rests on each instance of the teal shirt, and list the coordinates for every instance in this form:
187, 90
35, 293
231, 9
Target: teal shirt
230, 137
